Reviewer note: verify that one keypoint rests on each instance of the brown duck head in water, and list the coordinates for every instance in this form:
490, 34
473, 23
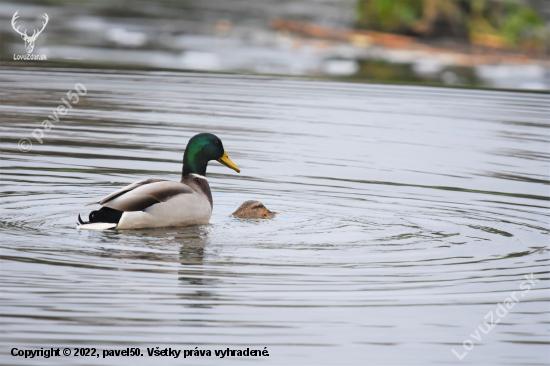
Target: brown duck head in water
253, 210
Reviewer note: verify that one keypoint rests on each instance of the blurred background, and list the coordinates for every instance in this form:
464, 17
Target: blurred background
474, 43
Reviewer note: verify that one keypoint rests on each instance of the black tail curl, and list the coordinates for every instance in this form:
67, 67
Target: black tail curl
104, 215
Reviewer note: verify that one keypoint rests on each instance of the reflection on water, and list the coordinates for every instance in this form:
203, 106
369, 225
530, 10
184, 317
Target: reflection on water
406, 215
286, 37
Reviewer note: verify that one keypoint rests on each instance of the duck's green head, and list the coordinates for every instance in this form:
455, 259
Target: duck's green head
200, 150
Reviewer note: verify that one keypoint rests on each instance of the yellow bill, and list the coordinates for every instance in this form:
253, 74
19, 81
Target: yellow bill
228, 163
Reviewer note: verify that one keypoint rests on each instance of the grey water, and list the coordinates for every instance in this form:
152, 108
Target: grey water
407, 214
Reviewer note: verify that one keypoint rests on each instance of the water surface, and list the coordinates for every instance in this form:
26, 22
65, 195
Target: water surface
406, 215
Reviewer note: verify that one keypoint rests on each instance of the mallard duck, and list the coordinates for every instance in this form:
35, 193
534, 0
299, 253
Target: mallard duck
154, 203
253, 210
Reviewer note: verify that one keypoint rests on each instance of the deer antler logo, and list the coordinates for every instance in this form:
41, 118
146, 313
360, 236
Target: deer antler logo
29, 41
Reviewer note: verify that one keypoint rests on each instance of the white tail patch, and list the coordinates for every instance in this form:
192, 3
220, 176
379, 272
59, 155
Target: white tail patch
99, 226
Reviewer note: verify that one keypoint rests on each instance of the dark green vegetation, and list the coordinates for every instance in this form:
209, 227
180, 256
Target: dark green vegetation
383, 71
484, 22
